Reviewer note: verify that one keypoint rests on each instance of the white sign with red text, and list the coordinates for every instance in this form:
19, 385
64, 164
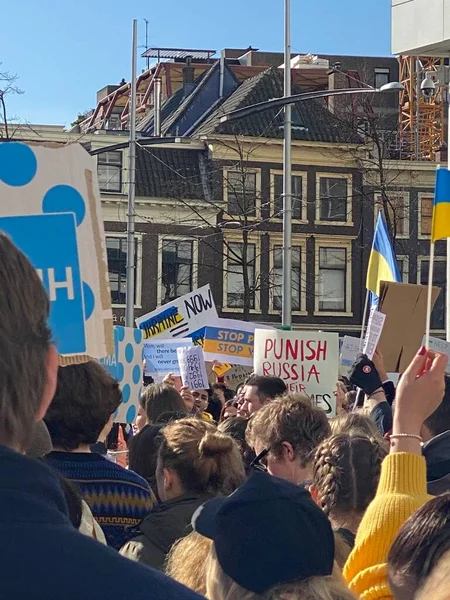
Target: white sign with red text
306, 361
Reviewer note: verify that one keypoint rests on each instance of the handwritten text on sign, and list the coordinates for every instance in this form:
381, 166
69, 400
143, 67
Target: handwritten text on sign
161, 357
193, 368
306, 361
180, 318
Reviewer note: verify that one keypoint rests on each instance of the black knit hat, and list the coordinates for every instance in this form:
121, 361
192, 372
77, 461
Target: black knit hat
268, 532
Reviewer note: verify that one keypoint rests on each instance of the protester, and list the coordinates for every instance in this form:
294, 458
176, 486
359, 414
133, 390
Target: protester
285, 433
45, 558
143, 453
346, 471
195, 463
402, 488
187, 561
260, 390
85, 401
159, 398
421, 543
219, 389
214, 408
141, 418
236, 427
270, 541
356, 423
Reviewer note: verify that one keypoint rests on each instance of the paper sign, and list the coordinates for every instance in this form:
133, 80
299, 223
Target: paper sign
221, 368
374, 331
193, 368
125, 365
161, 357
441, 346
231, 341
350, 349
306, 361
180, 318
50, 207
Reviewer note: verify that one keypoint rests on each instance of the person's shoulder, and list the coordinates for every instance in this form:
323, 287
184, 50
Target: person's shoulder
125, 476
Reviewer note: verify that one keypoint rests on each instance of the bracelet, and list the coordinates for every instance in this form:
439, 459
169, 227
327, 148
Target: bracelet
406, 435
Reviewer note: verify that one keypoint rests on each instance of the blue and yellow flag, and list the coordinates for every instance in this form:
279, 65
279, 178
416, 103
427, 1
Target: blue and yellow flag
382, 262
441, 210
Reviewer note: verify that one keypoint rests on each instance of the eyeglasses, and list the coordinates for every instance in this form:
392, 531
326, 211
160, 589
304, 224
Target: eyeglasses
256, 462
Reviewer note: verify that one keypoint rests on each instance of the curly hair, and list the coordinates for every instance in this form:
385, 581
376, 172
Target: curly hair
346, 470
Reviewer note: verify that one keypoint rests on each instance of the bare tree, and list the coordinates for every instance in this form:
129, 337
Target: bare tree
7, 86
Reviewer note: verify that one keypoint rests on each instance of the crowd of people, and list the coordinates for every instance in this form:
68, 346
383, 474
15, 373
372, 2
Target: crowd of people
248, 494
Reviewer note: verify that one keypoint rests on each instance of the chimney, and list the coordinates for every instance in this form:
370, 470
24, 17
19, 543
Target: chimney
157, 108
188, 76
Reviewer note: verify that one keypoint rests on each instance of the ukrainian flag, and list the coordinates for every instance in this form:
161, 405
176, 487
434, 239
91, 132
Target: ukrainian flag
382, 262
441, 210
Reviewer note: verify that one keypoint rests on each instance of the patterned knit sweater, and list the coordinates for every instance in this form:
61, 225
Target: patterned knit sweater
119, 499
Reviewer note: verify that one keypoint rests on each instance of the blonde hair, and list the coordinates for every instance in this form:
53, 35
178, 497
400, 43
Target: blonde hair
206, 461
220, 586
187, 560
24, 344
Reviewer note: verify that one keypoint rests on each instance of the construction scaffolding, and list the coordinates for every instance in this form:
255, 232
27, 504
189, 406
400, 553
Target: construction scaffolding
421, 127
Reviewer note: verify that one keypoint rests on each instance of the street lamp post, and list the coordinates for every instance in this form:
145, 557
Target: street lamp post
287, 101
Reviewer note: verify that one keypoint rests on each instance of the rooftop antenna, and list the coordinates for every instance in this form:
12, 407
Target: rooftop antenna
147, 60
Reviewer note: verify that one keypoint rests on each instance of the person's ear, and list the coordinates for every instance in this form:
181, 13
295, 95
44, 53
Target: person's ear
168, 479
51, 380
288, 451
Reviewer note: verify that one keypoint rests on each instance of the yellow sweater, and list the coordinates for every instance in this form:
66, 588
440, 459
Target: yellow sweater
401, 491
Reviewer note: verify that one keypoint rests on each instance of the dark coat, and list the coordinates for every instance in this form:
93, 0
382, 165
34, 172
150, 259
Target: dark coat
46, 558
166, 524
437, 454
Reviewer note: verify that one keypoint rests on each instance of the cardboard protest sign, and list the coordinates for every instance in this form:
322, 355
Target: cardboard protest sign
185, 316
125, 365
193, 368
439, 345
350, 349
374, 330
306, 361
221, 368
50, 207
230, 341
161, 357
405, 307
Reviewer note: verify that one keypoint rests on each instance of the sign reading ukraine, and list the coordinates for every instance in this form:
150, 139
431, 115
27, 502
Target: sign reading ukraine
230, 341
186, 315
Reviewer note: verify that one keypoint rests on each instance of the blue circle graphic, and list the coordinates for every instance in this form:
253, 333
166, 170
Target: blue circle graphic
126, 393
89, 300
129, 353
137, 335
131, 414
63, 199
136, 374
120, 372
18, 164
119, 333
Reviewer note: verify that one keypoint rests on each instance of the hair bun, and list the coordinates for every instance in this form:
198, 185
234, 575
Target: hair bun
213, 444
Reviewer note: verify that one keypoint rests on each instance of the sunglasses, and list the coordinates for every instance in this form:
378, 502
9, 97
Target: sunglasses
256, 462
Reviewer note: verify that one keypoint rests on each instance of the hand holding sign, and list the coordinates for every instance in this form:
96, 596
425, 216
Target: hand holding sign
193, 368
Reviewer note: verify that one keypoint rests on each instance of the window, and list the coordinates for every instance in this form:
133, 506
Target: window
116, 248
333, 199
109, 170
241, 192
439, 279
235, 277
277, 278
297, 192
332, 279
177, 269
426, 215
403, 267
397, 206
382, 77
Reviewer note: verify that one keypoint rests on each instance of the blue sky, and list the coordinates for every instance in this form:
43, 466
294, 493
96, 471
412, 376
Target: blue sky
64, 52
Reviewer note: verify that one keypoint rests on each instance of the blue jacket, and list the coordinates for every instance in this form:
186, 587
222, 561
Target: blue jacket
45, 558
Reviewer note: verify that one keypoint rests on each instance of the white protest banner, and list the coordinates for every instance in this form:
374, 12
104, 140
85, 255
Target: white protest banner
185, 316
125, 365
161, 357
193, 368
374, 331
231, 341
441, 346
306, 361
350, 349
50, 207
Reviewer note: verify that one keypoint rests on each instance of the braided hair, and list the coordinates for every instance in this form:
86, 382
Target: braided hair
346, 471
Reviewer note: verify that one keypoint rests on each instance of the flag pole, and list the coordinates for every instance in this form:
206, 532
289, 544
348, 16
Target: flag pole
364, 319
429, 297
